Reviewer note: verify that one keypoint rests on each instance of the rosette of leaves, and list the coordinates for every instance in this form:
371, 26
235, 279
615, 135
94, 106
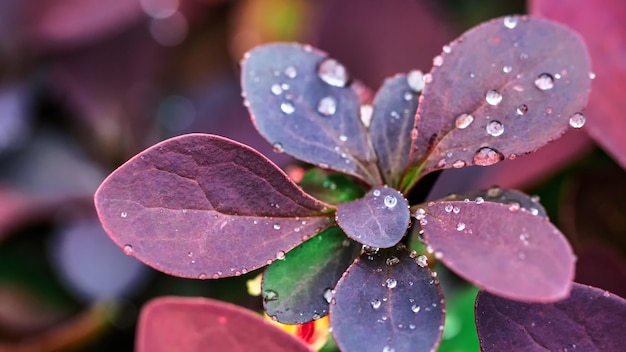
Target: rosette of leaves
203, 206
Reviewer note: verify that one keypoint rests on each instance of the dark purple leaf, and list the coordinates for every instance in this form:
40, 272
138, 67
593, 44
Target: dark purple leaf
386, 301
590, 319
379, 219
603, 25
298, 288
392, 122
303, 103
601, 266
501, 90
514, 199
502, 249
200, 324
204, 206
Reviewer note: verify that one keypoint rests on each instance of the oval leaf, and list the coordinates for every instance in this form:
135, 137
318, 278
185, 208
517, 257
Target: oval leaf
385, 302
297, 289
197, 324
204, 206
392, 122
507, 251
379, 219
514, 199
303, 103
589, 320
502, 89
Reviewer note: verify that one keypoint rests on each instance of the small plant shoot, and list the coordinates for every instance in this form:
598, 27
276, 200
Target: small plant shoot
203, 206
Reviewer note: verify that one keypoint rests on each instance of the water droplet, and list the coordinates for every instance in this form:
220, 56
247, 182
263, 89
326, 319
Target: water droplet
328, 295
486, 156
407, 96
291, 72
507, 69
544, 81
592, 75
128, 249
412, 326
123, 214
280, 255
428, 78
514, 206
422, 260
276, 226
415, 308
577, 120
375, 303
287, 108
606, 294
415, 80
438, 255
270, 295
495, 128
327, 106
391, 261
376, 193
388, 349
493, 97
366, 114
438, 60
390, 201
202, 276
333, 73
448, 208
522, 109
479, 200
276, 89
456, 210
524, 238
277, 147
534, 211
343, 138
463, 121
458, 164
284, 86
460, 226
447, 49
510, 22
391, 283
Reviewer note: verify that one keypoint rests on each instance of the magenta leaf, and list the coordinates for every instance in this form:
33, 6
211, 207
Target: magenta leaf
379, 219
501, 90
200, 324
204, 206
303, 103
590, 319
514, 199
298, 288
489, 244
386, 301
392, 122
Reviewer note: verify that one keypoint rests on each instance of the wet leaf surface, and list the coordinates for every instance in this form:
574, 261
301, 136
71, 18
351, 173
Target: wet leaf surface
489, 244
503, 89
379, 219
193, 324
393, 118
304, 104
386, 301
203, 206
603, 26
589, 320
297, 289
514, 199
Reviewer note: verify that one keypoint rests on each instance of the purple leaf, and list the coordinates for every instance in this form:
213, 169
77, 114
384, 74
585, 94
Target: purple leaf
385, 302
203, 206
501, 90
379, 219
303, 103
200, 324
588, 320
392, 122
489, 244
514, 199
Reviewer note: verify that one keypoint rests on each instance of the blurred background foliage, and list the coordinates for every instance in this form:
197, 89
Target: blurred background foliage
86, 84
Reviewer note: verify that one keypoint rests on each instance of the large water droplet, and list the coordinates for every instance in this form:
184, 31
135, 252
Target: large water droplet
463, 121
390, 201
270, 295
415, 79
493, 97
422, 260
327, 106
577, 120
287, 108
495, 128
333, 73
276, 89
486, 156
391, 283
276, 226
522, 109
375, 303
128, 249
544, 81
291, 72
510, 22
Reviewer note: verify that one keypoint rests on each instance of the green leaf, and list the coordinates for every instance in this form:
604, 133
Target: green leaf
330, 187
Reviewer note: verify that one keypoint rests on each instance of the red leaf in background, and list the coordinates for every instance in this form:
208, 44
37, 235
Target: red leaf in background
169, 324
603, 26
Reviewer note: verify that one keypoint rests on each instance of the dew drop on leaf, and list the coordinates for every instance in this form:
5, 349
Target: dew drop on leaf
388, 349
277, 147
276, 226
460, 226
276, 89
128, 249
493, 97
438, 60
391, 261
448, 208
415, 80
514, 206
577, 120
486, 156
202, 276
390, 201
507, 69
495, 128
327, 106
391, 283
375, 303
287, 108
333, 73
422, 260
291, 72
415, 308
280, 255
544, 81
463, 121
366, 112
522, 109
270, 295
328, 295
510, 22
479, 200
376, 193
458, 164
